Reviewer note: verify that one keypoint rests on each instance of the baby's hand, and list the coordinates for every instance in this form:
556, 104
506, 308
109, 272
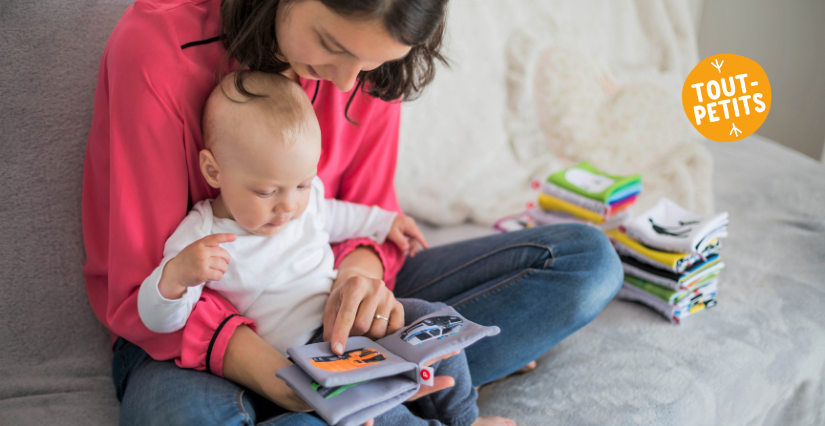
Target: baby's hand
203, 260
403, 227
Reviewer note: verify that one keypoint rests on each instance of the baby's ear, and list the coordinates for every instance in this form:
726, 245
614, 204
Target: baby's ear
209, 168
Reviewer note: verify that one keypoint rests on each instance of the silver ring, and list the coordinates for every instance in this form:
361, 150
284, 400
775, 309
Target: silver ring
383, 318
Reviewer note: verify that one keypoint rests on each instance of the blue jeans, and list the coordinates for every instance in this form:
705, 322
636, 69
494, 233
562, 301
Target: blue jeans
159, 393
538, 285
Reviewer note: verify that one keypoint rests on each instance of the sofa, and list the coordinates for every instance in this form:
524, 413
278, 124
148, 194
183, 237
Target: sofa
757, 358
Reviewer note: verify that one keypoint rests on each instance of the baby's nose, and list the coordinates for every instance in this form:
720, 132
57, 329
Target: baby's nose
287, 207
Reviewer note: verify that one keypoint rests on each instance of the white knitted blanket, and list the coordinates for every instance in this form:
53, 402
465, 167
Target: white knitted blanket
539, 85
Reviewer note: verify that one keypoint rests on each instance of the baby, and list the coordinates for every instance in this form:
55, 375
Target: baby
264, 242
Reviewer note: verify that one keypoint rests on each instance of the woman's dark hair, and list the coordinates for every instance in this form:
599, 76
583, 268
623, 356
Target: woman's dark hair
249, 38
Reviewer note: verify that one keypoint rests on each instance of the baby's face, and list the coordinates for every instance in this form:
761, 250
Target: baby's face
269, 185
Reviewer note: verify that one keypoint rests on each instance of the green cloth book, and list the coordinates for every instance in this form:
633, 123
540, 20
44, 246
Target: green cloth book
586, 180
667, 294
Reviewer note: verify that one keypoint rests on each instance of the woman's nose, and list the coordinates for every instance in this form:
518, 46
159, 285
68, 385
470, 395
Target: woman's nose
346, 74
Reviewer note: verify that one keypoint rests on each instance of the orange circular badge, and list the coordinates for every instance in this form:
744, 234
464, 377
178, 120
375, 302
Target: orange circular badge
727, 97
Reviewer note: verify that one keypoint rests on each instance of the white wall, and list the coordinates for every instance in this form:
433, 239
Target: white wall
786, 37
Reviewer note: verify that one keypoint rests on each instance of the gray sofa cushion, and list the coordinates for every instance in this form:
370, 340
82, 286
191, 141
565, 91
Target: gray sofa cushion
757, 358
55, 363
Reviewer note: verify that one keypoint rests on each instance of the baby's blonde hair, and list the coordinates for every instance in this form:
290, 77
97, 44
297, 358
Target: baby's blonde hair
284, 110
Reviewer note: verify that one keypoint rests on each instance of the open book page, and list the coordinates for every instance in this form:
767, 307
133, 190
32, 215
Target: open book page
434, 335
362, 360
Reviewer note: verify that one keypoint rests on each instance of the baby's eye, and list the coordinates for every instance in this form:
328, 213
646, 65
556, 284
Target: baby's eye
303, 186
264, 194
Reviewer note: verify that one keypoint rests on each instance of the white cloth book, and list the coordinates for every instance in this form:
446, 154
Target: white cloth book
593, 205
669, 227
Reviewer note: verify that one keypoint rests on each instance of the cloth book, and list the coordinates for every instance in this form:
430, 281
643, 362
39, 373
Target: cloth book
669, 227
585, 180
571, 197
670, 296
675, 262
515, 222
594, 206
551, 203
537, 217
543, 217
672, 280
373, 376
624, 192
621, 205
696, 301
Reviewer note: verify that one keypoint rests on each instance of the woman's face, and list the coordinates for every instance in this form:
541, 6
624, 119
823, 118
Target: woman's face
321, 45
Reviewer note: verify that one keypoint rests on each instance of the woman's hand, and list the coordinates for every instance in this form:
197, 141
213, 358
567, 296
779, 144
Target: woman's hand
352, 310
357, 296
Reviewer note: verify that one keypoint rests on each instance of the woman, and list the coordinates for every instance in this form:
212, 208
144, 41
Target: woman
353, 58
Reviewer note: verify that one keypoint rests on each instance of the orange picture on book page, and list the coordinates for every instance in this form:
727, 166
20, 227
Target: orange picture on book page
727, 97
349, 360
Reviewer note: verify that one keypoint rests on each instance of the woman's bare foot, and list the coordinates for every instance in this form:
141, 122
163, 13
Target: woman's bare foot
527, 368
493, 421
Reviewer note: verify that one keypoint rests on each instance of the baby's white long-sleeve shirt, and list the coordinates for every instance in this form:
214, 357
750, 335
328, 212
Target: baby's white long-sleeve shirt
281, 282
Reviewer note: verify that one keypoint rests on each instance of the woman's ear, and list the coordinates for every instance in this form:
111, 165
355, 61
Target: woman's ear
210, 169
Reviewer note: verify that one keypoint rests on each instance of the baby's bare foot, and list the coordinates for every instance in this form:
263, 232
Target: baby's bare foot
493, 421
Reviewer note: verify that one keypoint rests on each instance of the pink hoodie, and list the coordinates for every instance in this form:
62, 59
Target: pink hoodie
141, 172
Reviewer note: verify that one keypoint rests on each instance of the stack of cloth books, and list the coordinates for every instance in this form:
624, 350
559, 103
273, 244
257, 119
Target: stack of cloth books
579, 194
585, 193
671, 259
